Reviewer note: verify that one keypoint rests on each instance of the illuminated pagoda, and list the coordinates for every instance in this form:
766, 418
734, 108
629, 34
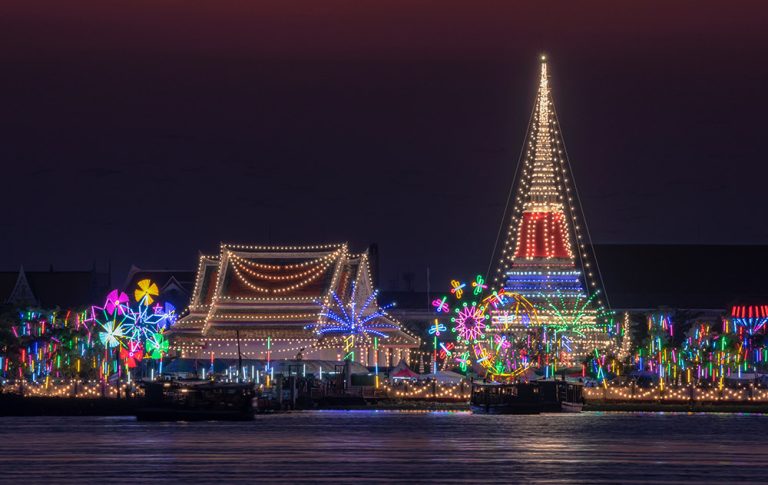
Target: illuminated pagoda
279, 301
546, 255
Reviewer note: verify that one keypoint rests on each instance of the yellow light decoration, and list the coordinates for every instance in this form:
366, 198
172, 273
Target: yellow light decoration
146, 289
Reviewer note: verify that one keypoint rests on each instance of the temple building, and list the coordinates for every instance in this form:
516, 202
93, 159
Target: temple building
281, 302
546, 257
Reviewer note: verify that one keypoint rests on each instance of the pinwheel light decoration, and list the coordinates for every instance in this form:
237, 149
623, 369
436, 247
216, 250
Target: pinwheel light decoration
146, 291
156, 346
168, 315
136, 329
112, 333
117, 301
132, 354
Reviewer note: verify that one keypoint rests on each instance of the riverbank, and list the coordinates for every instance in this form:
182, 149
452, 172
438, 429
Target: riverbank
680, 407
14, 405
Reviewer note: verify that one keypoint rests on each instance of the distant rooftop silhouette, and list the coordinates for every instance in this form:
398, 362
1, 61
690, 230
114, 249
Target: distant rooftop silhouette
48, 289
650, 276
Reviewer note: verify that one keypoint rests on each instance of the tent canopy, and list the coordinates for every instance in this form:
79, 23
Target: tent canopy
402, 371
445, 376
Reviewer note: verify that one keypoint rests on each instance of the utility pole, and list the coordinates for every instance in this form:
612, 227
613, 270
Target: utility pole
239, 356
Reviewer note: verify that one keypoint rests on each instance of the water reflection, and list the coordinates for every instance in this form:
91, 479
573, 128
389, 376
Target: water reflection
414, 446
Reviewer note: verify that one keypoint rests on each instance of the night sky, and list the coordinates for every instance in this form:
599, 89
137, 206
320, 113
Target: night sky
145, 131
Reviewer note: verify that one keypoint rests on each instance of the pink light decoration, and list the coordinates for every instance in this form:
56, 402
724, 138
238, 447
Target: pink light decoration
470, 322
116, 300
440, 305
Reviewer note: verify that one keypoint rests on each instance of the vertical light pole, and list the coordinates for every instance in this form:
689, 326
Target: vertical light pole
376, 359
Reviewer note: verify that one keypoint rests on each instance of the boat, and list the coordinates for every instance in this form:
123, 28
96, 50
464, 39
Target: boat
497, 398
196, 400
534, 397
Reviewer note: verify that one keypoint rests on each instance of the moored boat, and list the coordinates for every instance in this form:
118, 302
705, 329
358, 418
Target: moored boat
496, 398
197, 401
534, 397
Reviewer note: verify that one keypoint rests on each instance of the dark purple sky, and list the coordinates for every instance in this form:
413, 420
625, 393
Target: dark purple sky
144, 131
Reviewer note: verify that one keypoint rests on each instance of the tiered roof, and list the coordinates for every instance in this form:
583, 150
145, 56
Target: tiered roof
276, 291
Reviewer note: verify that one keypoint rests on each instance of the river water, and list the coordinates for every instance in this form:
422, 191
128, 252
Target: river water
370, 446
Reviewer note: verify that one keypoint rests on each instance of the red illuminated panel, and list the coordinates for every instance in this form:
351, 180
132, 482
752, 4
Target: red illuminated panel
543, 235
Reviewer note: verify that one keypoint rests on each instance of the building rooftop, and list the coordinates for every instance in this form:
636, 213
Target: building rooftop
49, 289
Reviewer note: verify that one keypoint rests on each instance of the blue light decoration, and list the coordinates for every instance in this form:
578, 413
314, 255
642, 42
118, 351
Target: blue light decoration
349, 318
436, 328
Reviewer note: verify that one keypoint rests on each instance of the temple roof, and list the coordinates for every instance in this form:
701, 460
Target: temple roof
271, 290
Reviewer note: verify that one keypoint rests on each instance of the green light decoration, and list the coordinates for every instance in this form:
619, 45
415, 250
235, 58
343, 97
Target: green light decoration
156, 346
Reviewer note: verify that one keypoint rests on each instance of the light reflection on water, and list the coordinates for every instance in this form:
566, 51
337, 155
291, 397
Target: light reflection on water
334, 446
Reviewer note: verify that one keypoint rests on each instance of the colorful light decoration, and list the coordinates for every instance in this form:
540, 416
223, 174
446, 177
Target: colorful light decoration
478, 286
507, 352
457, 288
701, 356
349, 347
101, 341
446, 350
156, 346
464, 361
512, 338
350, 318
112, 333
136, 330
750, 318
470, 321
41, 345
545, 257
440, 305
436, 328
486, 341
132, 354
116, 302
146, 291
